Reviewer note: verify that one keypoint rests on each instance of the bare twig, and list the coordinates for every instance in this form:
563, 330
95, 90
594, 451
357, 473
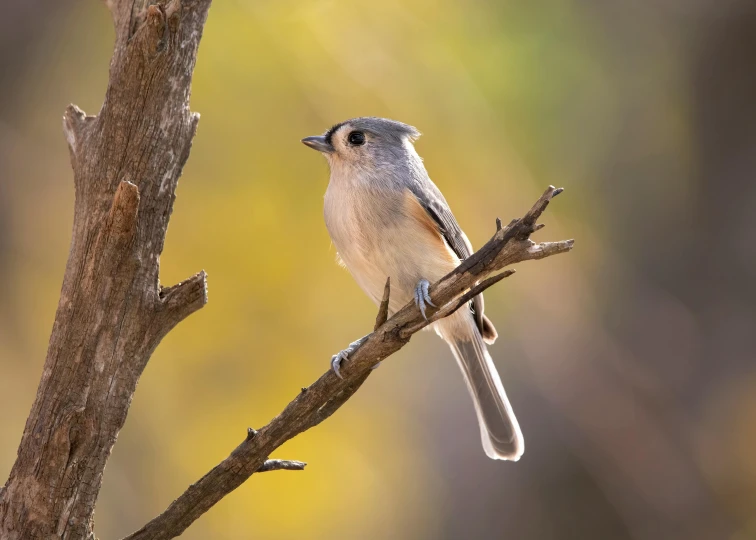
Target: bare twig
282, 465
180, 301
383, 308
318, 401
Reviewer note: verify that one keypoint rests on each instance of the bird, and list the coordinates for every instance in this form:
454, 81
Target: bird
387, 219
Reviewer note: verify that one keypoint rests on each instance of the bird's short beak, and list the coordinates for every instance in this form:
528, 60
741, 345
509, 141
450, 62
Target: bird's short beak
319, 143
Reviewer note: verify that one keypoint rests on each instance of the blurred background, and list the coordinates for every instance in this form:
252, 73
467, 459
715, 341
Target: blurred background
629, 362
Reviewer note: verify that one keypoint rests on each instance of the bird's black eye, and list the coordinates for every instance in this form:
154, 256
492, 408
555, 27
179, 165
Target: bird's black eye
356, 138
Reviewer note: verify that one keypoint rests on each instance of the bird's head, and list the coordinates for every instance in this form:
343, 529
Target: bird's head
365, 143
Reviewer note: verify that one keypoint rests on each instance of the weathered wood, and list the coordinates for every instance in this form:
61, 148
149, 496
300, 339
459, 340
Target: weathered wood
112, 312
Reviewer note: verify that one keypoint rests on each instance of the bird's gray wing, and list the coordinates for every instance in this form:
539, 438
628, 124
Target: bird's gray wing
433, 201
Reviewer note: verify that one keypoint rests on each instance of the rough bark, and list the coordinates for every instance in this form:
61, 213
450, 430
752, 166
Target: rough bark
112, 311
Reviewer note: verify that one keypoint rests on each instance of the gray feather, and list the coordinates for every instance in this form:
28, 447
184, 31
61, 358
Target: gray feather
499, 430
435, 204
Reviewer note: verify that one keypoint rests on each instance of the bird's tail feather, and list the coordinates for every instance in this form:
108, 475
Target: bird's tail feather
499, 430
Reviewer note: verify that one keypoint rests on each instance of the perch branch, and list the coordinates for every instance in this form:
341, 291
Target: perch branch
448, 309
316, 402
332, 405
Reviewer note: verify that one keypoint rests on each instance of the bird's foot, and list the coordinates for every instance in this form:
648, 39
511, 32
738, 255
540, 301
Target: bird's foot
337, 359
422, 297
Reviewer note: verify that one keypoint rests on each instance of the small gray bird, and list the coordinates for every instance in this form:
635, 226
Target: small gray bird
388, 219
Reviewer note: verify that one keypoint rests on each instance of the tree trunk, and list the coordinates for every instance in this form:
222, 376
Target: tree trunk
112, 311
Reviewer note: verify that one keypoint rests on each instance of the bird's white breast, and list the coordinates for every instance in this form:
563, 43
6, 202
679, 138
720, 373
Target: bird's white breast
378, 234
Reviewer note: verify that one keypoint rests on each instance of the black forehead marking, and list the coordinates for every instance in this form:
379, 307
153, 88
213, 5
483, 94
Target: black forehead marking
381, 126
330, 132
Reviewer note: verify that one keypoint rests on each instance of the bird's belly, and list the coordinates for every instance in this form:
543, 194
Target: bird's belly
401, 251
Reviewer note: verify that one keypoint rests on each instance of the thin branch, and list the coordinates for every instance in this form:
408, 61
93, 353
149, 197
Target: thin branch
547, 249
334, 403
282, 465
322, 398
182, 299
450, 308
383, 308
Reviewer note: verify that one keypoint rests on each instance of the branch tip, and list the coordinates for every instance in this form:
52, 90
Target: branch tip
547, 249
382, 316
75, 122
500, 232
281, 465
386, 290
184, 298
529, 220
74, 114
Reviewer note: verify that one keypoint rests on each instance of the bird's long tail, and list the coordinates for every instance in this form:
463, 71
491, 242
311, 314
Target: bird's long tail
499, 430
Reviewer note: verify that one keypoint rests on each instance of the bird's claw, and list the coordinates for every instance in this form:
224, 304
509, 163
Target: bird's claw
341, 356
422, 297
336, 360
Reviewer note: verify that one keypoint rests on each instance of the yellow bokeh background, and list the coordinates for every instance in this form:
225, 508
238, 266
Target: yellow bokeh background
636, 416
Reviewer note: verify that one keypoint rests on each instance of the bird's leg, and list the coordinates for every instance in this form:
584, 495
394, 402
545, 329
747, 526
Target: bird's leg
422, 297
337, 359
